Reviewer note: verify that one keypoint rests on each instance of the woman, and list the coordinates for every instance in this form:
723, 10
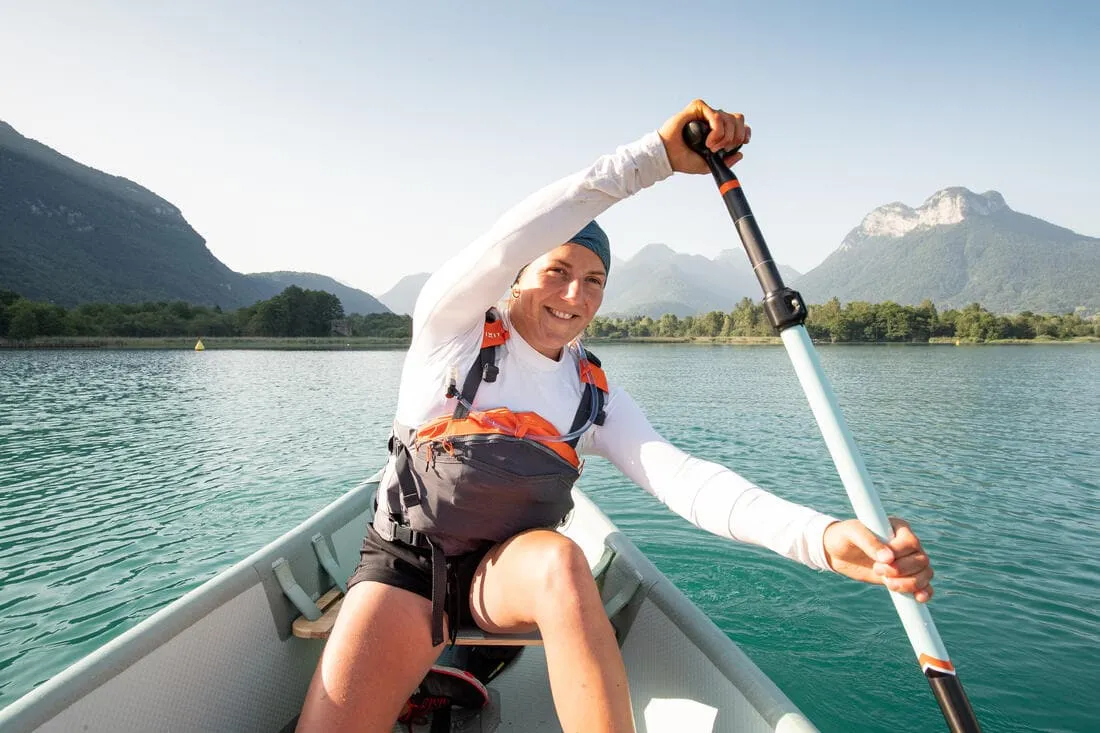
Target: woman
494, 407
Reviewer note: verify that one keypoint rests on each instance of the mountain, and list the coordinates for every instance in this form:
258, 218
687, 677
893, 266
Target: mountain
658, 280
70, 234
956, 248
402, 297
354, 301
788, 273
655, 281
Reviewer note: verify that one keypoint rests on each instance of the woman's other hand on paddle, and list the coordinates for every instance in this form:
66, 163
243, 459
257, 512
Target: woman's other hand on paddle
900, 564
727, 130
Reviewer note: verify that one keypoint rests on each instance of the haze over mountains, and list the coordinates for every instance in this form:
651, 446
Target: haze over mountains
70, 234
658, 280
401, 298
654, 281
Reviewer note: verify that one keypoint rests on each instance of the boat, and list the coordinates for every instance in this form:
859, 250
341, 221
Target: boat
236, 654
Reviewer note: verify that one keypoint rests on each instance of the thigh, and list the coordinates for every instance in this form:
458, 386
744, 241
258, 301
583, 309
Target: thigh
522, 572
379, 651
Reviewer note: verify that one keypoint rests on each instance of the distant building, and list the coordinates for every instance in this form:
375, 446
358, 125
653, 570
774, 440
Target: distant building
340, 327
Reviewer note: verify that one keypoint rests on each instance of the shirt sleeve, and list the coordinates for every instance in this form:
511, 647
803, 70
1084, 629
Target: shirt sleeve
708, 495
456, 296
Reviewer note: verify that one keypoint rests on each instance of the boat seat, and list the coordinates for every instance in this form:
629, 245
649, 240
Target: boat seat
330, 604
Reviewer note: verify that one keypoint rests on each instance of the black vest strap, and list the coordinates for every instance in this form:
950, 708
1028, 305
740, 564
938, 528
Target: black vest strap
601, 398
583, 412
439, 594
484, 369
585, 406
405, 480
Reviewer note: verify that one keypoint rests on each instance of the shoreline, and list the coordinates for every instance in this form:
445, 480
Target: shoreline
212, 343
776, 341
364, 343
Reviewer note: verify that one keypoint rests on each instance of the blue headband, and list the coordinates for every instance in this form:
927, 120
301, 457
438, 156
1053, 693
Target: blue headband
596, 240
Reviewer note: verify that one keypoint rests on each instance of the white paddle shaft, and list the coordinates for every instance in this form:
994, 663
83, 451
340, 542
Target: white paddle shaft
915, 617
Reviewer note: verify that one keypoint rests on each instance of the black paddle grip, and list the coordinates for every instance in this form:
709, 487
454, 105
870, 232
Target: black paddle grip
695, 137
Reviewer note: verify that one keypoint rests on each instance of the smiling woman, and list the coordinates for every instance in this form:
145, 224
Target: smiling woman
556, 296
482, 466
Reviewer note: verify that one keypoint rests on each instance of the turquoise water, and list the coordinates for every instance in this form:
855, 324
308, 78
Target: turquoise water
128, 477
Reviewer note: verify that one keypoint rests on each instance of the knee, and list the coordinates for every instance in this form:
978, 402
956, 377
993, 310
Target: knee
564, 575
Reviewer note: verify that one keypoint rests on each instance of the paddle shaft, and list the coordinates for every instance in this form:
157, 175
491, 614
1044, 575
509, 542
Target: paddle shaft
787, 313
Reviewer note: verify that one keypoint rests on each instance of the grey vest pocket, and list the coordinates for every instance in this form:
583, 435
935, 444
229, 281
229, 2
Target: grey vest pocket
487, 488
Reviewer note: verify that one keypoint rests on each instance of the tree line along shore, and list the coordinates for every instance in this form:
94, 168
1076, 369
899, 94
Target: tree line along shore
858, 322
314, 319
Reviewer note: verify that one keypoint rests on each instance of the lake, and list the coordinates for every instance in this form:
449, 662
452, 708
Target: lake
129, 477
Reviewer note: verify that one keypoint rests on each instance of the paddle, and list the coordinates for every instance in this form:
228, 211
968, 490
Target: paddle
787, 313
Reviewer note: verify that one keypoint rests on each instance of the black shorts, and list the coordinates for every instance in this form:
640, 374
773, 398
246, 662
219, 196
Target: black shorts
410, 568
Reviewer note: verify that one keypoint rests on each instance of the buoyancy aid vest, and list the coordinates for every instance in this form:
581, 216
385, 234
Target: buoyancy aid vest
474, 477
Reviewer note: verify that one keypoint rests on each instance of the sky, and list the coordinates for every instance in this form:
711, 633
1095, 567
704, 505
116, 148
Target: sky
369, 140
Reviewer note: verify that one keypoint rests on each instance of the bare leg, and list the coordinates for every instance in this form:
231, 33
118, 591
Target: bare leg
541, 579
379, 651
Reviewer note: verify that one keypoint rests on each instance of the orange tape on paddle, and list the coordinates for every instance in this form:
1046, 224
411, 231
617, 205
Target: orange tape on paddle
927, 661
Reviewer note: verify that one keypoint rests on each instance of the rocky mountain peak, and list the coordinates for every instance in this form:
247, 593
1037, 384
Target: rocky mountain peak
952, 205
948, 206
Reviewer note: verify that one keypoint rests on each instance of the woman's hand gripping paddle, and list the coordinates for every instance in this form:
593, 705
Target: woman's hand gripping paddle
787, 313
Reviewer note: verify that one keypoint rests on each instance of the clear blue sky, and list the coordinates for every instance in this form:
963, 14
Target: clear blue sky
367, 140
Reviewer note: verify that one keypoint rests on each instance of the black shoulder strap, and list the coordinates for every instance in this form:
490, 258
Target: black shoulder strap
601, 398
484, 368
583, 408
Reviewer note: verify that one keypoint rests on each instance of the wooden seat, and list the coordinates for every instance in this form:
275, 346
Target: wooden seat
330, 604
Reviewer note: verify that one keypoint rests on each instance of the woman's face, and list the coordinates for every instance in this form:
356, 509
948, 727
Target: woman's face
558, 295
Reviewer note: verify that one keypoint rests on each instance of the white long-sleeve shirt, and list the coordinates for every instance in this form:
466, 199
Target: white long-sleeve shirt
447, 330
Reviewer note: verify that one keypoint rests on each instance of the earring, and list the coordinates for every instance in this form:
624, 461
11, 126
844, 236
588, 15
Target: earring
515, 292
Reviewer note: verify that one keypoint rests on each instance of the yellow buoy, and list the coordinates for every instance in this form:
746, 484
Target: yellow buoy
956, 342
199, 346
